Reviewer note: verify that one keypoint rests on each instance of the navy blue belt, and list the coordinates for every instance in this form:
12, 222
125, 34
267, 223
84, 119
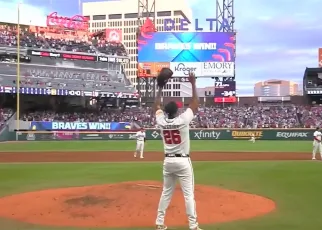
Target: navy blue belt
176, 155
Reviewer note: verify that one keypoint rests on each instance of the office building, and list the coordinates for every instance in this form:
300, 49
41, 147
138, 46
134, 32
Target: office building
123, 15
276, 88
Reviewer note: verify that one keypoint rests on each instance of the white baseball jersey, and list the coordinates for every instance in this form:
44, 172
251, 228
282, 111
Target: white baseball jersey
140, 136
175, 132
317, 135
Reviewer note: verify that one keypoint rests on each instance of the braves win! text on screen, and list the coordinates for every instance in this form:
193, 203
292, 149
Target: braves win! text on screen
185, 46
81, 126
208, 54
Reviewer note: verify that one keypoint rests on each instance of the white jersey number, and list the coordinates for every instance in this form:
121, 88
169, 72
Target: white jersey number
172, 137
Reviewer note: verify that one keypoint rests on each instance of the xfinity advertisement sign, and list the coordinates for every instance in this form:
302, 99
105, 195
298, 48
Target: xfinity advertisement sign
203, 69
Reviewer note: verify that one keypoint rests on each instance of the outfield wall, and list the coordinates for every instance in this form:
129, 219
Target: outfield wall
154, 134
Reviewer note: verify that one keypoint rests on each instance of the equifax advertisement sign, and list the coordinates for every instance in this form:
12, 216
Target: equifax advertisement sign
203, 69
186, 47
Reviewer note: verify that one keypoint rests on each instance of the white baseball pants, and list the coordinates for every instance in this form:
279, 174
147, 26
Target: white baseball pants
316, 147
178, 168
139, 148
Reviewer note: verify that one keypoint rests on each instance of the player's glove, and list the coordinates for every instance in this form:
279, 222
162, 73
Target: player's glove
163, 77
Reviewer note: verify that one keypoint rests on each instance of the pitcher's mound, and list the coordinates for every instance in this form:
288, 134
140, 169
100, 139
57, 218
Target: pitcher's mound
129, 204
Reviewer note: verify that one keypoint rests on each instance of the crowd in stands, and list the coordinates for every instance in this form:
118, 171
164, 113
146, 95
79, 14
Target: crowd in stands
62, 78
85, 44
111, 116
212, 117
5, 114
110, 48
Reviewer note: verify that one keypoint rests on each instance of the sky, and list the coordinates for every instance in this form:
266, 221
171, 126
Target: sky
276, 39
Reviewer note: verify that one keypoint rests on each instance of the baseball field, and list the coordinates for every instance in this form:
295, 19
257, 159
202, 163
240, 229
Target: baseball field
72, 185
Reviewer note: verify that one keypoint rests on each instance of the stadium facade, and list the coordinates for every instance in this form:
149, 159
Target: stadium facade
123, 15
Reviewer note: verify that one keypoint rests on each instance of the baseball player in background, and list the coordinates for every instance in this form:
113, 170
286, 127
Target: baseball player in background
317, 143
177, 165
140, 140
252, 138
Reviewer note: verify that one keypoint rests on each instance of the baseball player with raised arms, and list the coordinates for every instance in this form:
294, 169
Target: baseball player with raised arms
317, 143
177, 165
140, 140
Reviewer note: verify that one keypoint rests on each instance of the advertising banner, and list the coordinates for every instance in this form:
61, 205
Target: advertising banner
63, 55
294, 135
182, 69
195, 134
107, 136
65, 92
132, 102
187, 47
68, 136
113, 35
77, 22
50, 136
242, 134
217, 69
203, 69
75, 56
320, 57
46, 125
151, 69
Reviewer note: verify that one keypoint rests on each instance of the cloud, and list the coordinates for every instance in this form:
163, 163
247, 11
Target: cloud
29, 14
272, 42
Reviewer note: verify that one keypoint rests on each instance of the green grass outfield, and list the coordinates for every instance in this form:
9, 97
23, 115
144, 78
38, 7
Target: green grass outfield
294, 185
156, 145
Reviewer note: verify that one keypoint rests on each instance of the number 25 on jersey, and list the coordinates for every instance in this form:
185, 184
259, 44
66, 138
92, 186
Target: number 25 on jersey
172, 137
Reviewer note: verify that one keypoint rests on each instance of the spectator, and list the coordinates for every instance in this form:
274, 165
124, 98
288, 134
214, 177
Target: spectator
5, 114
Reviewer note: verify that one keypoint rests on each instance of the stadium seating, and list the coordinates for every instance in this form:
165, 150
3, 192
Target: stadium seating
64, 78
212, 117
5, 114
110, 48
52, 74
8, 37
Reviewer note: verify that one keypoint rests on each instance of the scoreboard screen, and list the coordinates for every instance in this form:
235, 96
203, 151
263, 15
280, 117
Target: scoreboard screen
225, 91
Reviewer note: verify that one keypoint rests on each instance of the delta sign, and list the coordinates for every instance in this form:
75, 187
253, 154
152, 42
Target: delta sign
169, 25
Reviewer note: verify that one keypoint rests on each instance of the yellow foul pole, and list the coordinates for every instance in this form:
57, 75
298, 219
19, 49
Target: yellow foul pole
18, 70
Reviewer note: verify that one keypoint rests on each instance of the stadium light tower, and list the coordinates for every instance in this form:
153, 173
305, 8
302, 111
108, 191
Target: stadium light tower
146, 23
225, 16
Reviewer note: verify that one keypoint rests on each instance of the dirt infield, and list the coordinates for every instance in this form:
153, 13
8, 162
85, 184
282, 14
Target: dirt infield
109, 156
113, 206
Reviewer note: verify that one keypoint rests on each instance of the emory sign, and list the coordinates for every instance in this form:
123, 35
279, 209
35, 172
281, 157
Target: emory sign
203, 69
169, 25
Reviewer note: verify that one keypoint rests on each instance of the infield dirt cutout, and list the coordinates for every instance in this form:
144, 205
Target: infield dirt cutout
128, 204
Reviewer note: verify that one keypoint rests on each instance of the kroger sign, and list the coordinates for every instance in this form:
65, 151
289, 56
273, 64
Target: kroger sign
169, 25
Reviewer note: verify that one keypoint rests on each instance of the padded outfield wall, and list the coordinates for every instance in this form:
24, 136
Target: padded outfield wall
154, 134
